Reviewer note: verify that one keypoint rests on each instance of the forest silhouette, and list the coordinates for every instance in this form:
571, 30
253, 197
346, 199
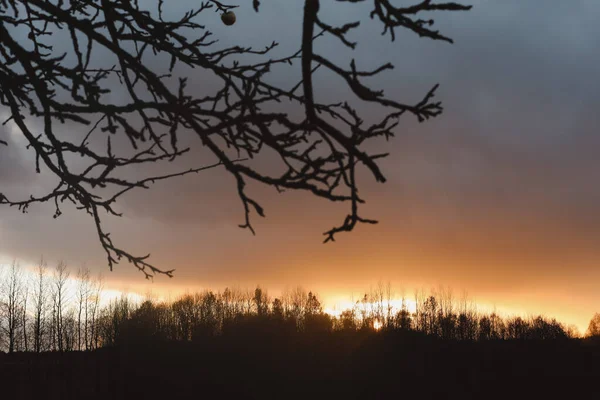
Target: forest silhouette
60, 341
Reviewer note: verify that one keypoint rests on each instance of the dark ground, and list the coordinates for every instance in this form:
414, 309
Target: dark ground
336, 366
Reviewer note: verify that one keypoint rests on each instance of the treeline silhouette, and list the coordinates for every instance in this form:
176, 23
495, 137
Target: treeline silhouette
245, 344
230, 312
45, 314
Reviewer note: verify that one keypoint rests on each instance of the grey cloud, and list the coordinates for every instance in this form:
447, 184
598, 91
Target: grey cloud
12, 167
516, 147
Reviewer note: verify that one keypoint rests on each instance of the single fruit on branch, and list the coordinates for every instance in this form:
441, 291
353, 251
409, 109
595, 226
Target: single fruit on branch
228, 18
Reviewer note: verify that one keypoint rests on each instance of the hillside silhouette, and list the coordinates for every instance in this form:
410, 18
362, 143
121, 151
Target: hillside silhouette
62, 343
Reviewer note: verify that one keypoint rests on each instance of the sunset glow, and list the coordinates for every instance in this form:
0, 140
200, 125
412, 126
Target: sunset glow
496, 197
377, 325
333, 305
306, 199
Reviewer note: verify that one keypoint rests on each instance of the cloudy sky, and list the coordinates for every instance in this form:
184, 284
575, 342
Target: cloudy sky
499, 196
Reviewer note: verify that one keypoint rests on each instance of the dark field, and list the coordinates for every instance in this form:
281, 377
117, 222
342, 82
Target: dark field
341, 365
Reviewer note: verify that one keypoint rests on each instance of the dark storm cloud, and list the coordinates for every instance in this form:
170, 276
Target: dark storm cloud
12, 166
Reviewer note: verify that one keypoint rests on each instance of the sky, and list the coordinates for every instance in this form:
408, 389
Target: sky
498, 197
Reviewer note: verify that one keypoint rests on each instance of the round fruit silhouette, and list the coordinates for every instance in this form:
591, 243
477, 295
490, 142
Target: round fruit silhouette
228, 18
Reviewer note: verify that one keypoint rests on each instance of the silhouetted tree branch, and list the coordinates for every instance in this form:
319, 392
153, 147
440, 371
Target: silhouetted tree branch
37, 83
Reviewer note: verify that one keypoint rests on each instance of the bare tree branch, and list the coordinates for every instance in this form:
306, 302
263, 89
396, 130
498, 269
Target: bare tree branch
39, 85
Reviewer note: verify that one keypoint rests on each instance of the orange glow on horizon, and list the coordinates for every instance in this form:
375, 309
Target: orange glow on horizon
334, 303
377, 325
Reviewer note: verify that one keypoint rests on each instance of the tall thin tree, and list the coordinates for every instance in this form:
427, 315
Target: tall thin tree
12, 287
40, 306
59, 302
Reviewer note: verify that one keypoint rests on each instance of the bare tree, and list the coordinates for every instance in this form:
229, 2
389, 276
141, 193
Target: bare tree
69, 330
389, 308
94, 308
24, 298
468, 320
377, 296
572, 331
228, 300
277, 310
186, 312
40, 306
447, 316
319, 146
59, 302
403, 317
594, 326
261, 301
247, 301
420, 310
12, 287
298, 299
83, 299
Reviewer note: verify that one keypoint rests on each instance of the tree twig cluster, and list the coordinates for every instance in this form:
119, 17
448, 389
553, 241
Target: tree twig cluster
234, 123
